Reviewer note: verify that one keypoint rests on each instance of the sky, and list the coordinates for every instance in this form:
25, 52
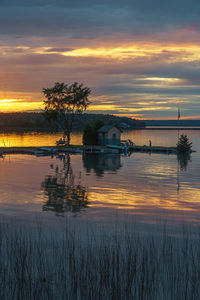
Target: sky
140, 58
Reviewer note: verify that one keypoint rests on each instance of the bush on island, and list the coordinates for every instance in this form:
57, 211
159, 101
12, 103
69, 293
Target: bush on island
90, 134
184, 145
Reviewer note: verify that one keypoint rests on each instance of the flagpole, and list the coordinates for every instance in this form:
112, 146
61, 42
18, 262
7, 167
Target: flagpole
178, 122
178, 181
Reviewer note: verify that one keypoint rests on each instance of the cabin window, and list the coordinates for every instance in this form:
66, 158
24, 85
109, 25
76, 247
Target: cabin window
114, 136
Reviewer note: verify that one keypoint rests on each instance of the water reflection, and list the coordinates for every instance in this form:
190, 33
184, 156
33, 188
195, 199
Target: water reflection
183, 159
182, 163
64, 194
35, 139
149, 187
100, 163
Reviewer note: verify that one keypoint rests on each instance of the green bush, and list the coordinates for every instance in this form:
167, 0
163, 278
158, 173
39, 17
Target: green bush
90, 135
184, 145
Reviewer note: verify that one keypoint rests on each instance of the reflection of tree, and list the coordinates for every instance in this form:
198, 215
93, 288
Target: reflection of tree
183, 159
101, 163
63, 193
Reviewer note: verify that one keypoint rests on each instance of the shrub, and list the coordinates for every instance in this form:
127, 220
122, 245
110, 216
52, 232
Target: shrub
184, 145
90, 135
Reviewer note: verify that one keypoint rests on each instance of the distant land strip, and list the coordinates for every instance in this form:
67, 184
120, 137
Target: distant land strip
174, 123
37, 122
170, 128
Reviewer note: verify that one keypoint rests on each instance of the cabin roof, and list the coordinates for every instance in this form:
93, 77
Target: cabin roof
106, 128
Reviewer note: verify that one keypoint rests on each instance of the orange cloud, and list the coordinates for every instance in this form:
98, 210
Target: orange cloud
180, 52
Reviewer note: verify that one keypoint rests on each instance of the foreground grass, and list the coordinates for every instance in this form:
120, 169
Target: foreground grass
84, 264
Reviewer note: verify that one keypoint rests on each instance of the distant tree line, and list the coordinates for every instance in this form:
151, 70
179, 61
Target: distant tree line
23, 121
36, 121
188, 123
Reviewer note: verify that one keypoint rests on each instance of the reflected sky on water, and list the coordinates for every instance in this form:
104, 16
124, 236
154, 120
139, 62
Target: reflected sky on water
34, 139
140, 137
99, 187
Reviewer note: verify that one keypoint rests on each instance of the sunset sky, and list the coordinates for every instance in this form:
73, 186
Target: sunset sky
140, 58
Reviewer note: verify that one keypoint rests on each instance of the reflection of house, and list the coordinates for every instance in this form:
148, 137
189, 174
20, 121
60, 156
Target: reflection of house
109, 135
101, 163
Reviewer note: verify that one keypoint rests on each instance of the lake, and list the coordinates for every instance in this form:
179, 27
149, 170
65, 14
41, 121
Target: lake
148, 189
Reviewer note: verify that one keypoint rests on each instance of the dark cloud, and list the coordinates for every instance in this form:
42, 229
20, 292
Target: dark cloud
15, 51
126, 89
35, 59
94, 18
59, 49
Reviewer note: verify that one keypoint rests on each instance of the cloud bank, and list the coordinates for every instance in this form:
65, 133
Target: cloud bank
140, 58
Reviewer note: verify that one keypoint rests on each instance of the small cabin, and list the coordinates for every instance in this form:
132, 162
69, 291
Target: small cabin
109, 135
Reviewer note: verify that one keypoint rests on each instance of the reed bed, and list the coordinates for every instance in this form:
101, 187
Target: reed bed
86, 263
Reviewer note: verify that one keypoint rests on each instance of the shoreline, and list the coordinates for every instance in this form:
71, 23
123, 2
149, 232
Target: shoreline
47, 130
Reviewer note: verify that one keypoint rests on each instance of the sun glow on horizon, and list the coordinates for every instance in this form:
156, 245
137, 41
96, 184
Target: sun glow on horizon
19, 105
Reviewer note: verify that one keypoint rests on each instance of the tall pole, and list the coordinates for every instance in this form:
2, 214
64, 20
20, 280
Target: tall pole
178, 121
178, 181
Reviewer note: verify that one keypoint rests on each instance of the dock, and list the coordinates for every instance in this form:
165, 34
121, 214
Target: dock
52, 151
17, 150
154, 149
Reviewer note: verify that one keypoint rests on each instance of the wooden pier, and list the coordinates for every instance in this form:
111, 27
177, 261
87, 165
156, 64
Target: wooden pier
49, 151
154, 149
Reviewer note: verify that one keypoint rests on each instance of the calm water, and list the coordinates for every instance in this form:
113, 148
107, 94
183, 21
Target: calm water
98, 188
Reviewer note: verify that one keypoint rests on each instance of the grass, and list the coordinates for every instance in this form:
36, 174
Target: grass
77, 263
